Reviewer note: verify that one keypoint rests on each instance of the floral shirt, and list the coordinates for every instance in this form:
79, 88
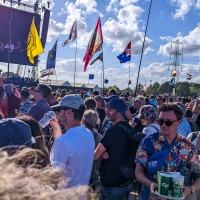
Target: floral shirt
180, 156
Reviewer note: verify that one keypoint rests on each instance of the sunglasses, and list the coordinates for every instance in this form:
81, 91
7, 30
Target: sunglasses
168, 123
37, 91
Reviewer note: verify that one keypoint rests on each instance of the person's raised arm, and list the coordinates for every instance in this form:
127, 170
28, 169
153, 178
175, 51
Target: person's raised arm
196, 107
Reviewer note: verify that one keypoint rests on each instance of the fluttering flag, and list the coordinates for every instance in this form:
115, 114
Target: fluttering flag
51, 59
189, 76
106, 81
91, 76
72, 35
34, 45
47, 72
126, 55
94, 45
100, 57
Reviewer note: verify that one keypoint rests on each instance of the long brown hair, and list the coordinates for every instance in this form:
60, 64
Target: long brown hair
37, 135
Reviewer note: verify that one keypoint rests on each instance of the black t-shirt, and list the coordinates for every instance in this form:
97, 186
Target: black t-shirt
102, 114
118, 146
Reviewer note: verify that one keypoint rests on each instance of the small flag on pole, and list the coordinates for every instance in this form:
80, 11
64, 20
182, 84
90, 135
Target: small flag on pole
100, 57
51, 59
91, 76
95, 43
72, 35
126, 55
34, 45
189, 76
106, 81
47, 72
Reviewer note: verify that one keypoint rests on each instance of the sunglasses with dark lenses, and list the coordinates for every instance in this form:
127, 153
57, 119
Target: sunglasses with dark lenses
168, 123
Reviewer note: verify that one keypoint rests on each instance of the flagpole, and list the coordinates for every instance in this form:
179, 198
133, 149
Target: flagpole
56, 81
101, 78
75, 67
88, 82
103, 74
142, 48
129, 78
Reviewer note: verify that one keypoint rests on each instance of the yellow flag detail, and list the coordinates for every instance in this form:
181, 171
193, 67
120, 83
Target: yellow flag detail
34, 45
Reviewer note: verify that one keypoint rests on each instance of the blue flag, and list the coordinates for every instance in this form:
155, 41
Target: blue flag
106, 81
126, 55
91, 76
51, 59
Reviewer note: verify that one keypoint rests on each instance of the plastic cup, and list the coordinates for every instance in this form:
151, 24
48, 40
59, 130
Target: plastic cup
164, 183
178, 182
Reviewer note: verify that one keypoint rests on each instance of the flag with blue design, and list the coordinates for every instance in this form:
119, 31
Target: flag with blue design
106, 81
51, 58
126, 55
91, 76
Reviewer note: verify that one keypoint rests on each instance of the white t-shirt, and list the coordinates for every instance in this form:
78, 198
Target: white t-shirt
151, 128
74, 153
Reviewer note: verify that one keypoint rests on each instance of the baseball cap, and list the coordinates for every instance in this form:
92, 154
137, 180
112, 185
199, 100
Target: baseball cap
118, 104
107, 99
182, 106
153, 102
140, 99
14, 132
148, 111
70, 101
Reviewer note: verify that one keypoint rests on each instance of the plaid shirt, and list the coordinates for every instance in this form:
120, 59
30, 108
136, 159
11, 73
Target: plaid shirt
38, 110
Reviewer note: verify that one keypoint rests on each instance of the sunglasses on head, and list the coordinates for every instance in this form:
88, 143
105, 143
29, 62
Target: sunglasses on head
168, 123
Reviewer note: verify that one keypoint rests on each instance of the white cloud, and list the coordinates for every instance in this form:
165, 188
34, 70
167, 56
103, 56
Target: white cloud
88, 5
197, 4
113, 6
191, 43
184, 6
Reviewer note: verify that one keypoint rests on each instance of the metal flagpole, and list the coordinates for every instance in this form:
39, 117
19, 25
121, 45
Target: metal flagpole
142, 48
102, 72
75, 67
88, 81
129, 81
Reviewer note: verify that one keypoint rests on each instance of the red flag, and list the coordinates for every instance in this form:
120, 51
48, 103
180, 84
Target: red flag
95, 43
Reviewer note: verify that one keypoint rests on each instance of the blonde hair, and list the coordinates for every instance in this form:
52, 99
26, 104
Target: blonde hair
90, 119
22, 183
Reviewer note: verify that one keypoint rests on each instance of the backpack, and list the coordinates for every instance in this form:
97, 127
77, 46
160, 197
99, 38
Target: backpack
128, 170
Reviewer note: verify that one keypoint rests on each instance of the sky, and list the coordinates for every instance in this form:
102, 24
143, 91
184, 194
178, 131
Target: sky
171, 22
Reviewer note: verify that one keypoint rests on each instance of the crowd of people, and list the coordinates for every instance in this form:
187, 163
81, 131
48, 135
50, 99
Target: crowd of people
97, 147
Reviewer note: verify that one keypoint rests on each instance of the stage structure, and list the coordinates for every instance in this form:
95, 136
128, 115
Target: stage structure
15, 25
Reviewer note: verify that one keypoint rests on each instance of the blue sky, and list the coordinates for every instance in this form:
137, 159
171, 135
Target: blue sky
124, 21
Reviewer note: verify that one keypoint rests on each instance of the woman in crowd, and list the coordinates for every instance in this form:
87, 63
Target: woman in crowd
39, 140
90, 118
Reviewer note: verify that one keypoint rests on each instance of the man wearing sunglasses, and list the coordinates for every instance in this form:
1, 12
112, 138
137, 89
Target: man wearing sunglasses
167, 151
73, 151
40, 94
